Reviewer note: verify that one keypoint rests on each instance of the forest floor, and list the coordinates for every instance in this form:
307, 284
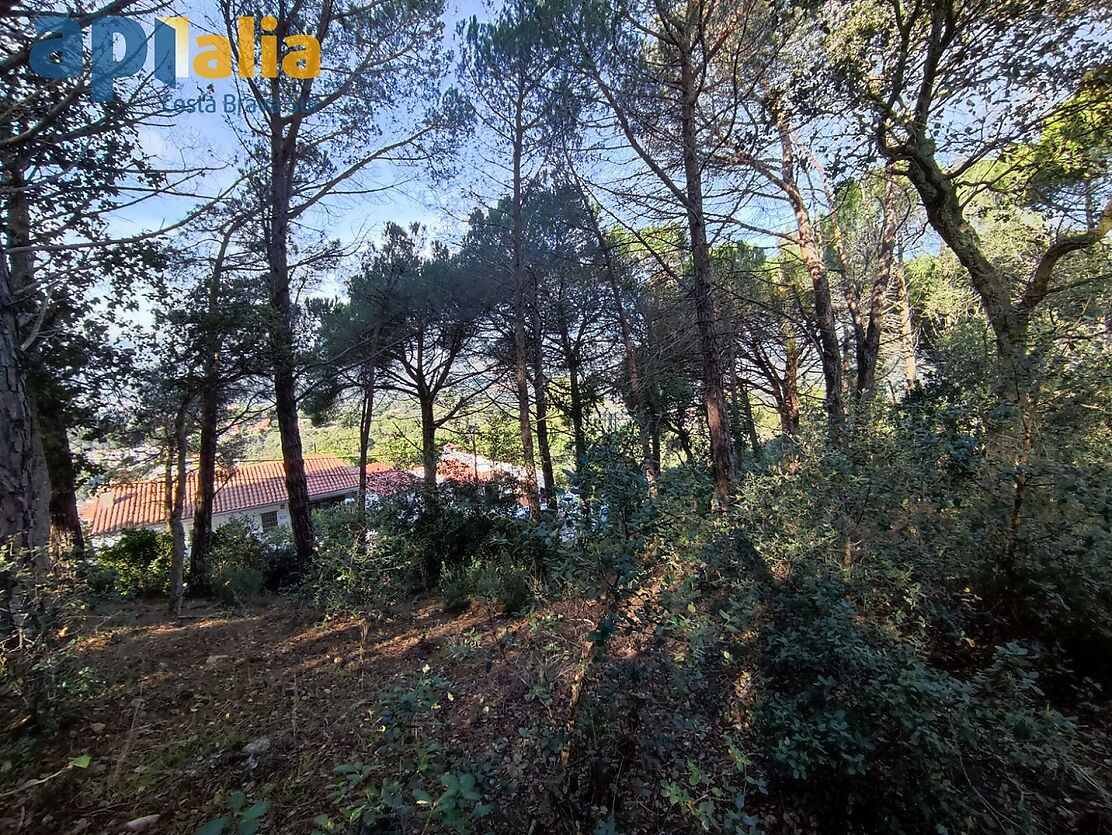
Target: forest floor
267, 701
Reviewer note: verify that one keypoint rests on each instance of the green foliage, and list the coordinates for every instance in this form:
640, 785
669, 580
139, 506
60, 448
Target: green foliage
242, 820
851, 722
44, 678
412, 776
354, 569
460, 524
236, 563
140, 560
872, 581
511, 588
456, 588
397, 442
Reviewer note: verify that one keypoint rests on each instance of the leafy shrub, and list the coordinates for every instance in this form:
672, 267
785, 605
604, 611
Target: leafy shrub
456, 588
414, 781
854, 727
354, 569
101, 581
241, 820
237, 584
44, 676
279, 560
140, 559
238, 562
507, 585
461, 524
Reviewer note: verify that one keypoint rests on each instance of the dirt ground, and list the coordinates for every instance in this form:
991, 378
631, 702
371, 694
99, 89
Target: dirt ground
268, 701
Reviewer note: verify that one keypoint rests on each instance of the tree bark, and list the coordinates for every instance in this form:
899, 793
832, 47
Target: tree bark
365, 417
206, 488
575, 393
211, 395
282, 165
18, 502
722, 455
907, 334
521, 374
829, 350
868, 352
176, 486
428, 441
540, 400
789, 413
66, 536
26, 494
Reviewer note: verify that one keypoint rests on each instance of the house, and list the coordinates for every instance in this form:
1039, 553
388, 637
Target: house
255, 491
462, 465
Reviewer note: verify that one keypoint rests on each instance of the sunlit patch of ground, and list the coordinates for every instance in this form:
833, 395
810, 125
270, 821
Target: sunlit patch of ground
178, 701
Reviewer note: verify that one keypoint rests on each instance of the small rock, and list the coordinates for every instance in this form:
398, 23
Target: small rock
97, 727
141, 824
216, 659
257, 746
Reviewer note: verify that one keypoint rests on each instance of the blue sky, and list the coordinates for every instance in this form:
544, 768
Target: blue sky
188, 139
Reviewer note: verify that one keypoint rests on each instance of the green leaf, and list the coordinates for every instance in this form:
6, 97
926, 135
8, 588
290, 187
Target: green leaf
215, 827
248, 827
257, 810
81, 762
236, 801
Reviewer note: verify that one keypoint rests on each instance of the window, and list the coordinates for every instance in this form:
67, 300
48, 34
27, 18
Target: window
269, 520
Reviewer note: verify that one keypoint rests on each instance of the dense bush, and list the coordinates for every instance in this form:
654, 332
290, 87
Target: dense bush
894, 655
499, 583
354, 568
236, 563
859, 731
460, 523
139, 562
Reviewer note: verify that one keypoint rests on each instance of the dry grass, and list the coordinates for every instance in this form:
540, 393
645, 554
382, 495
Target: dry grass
180, 700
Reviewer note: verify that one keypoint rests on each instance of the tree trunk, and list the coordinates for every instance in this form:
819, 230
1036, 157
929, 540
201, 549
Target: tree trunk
578, 431
789, 413
211, 394
907, 335
718, 419
575, 393
66, 536
868, 351
829, 350
176, 486
26, 499
750, 423
428, 442
364, 443
206, 488
541, 405
521, 375
18, 502
281, 340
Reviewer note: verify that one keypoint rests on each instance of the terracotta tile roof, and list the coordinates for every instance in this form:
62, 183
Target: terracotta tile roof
250, 485
387, 482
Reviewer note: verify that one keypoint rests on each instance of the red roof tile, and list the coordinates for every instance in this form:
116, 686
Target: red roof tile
143, 503
388, 482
